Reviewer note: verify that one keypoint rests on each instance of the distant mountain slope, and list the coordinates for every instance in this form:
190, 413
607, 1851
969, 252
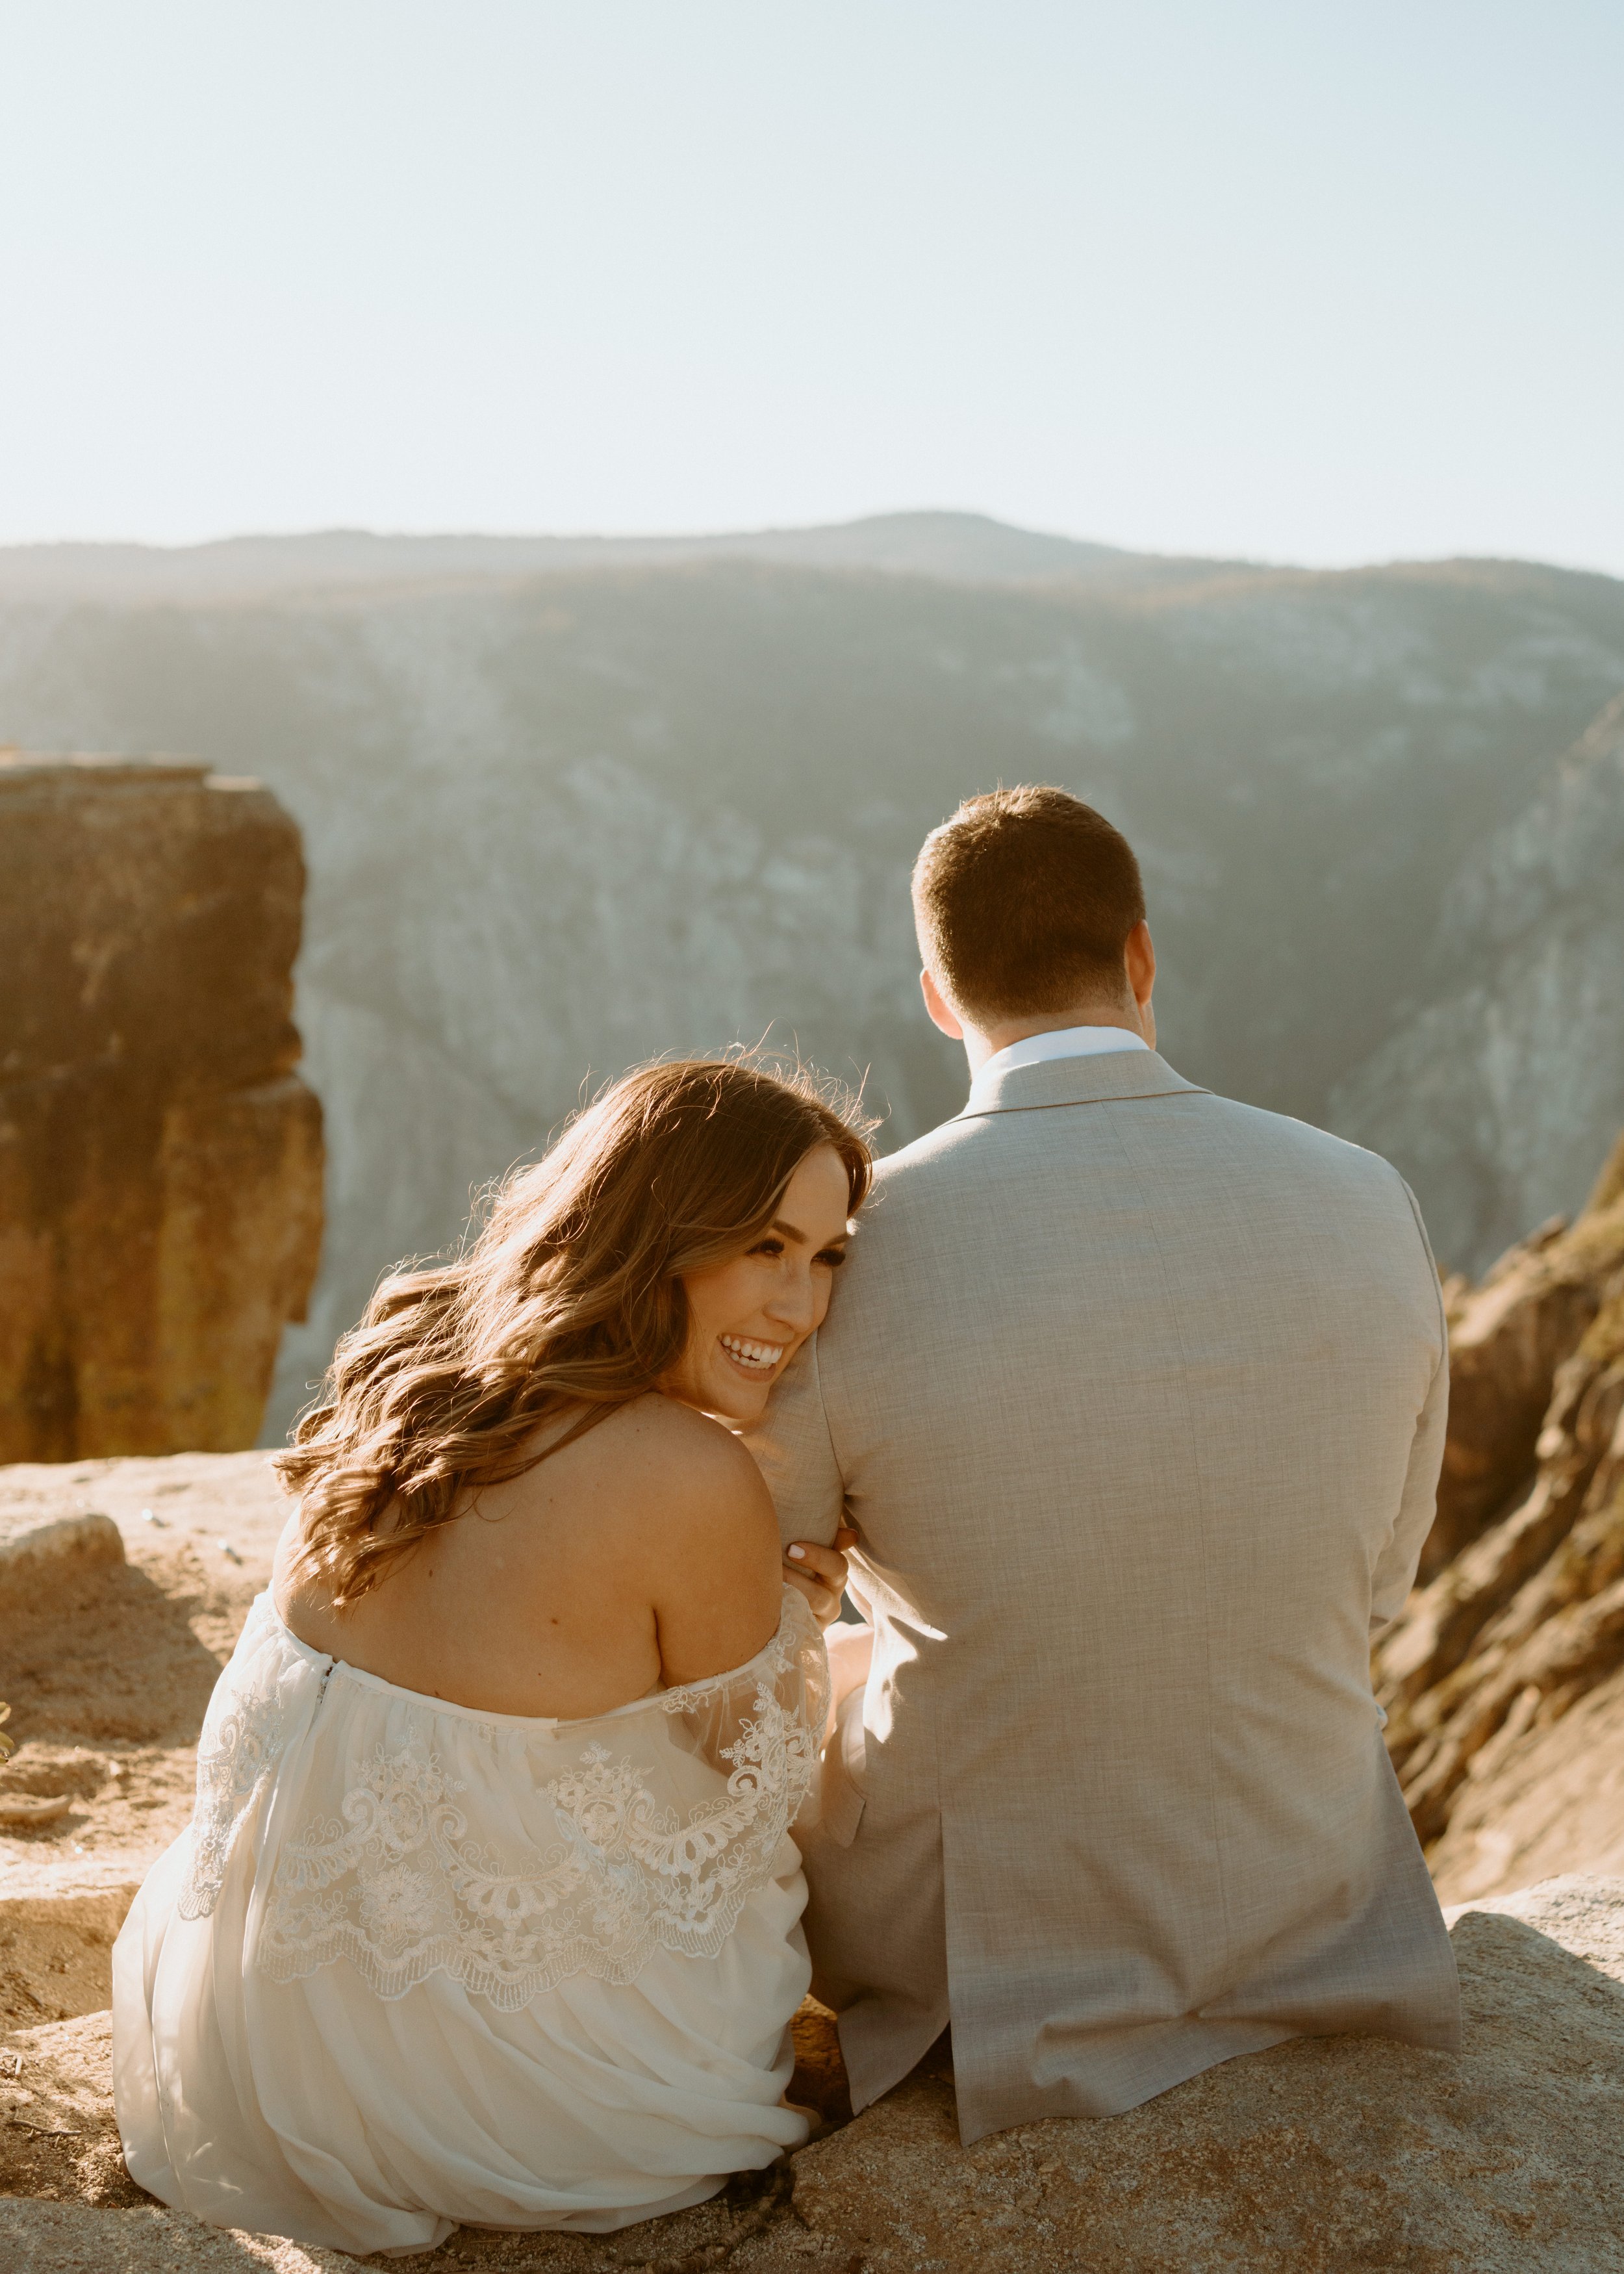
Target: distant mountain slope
559, 822
1489, 1096
959, 547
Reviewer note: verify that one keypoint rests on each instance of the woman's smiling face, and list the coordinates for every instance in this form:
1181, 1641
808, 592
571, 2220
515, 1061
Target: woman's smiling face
748, 1318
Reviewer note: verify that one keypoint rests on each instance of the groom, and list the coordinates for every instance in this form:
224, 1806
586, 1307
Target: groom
1135, 1397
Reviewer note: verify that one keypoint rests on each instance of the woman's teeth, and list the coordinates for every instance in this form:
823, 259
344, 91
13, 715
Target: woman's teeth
761, 1357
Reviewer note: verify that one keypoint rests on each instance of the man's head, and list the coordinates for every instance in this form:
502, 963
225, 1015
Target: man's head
1031, 914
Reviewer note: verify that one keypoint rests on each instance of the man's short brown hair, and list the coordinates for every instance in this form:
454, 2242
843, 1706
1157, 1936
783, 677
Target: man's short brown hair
1026, 898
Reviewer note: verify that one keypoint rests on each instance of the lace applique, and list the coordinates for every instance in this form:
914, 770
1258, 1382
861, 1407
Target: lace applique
396, 1884
243, 1732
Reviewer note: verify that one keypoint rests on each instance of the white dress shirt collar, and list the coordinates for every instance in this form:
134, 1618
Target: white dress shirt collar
1059, 1043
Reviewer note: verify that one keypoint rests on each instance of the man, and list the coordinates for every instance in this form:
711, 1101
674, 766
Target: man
1135, 1398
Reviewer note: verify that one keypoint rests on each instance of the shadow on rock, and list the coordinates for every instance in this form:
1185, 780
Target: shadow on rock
106, 1656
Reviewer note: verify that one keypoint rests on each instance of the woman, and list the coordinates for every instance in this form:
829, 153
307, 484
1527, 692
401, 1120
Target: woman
488, 1912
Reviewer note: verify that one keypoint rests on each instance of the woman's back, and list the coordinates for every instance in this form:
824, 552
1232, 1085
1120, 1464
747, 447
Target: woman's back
645, 1552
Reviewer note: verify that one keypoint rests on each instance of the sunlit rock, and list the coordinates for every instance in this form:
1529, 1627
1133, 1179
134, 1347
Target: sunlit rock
160, 1159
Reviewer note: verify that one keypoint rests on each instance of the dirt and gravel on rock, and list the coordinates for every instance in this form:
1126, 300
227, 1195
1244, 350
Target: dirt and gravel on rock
108, 1665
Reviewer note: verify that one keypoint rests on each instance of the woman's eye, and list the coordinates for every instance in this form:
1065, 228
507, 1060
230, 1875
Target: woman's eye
832, 1256
768, 1248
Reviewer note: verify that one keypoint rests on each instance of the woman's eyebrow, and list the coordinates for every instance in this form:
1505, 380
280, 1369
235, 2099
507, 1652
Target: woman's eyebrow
800, 1238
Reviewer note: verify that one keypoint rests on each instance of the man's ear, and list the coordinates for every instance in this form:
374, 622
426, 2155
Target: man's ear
1141, 958
941, 1011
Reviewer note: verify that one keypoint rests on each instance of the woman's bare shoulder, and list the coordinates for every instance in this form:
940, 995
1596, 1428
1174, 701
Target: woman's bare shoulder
664, 1427
705, 1533
653, 1465
683, 1466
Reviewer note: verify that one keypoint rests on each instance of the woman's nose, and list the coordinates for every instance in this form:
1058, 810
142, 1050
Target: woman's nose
794, 1304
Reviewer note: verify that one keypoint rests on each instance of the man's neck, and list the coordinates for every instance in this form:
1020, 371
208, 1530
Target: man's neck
983, 1042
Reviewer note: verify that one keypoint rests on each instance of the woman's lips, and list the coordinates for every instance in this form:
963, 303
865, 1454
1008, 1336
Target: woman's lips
755, 1360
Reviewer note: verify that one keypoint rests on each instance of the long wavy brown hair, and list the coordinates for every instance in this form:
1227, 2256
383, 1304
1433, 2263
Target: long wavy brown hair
565, 1301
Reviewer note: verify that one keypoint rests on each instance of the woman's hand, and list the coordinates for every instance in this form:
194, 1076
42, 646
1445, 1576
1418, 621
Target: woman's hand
820, 1573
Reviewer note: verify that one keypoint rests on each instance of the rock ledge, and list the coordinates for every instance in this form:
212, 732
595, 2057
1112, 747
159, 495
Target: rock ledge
1330, 2156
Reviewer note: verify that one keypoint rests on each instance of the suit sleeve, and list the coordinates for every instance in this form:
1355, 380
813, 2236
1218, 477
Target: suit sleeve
794, 1451
1395, 1568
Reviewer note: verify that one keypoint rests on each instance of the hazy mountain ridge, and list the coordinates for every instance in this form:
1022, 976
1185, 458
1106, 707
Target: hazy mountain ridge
557, 823
959, 547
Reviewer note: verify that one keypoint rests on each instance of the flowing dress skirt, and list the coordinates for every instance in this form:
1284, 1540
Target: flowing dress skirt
316, 2108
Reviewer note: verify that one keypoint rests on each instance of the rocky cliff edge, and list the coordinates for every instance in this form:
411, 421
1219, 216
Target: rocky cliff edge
160, 1159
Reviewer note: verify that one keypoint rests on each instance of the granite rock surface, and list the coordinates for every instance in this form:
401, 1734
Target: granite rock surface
1337, 2156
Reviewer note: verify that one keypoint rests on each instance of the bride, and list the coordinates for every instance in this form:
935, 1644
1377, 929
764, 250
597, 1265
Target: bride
488, 1912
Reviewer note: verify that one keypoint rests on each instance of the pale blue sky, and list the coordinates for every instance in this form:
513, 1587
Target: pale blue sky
1280, 278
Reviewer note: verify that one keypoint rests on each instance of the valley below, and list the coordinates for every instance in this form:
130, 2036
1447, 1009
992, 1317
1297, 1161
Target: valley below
568, 805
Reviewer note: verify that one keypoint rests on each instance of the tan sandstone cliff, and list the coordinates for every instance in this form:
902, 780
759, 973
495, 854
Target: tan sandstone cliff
160, 1160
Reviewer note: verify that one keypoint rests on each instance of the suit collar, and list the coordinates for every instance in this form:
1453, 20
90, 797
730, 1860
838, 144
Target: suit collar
1106, 1078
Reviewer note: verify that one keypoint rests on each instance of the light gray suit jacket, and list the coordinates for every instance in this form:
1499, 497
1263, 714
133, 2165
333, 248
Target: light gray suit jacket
1137, 1398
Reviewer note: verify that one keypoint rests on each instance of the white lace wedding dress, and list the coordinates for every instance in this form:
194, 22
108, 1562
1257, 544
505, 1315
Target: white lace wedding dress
414, 1965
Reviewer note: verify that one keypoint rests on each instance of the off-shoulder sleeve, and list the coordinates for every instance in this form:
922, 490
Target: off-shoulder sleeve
515, 1856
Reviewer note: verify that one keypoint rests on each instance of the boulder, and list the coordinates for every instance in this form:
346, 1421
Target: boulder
160, 1160
32, 1555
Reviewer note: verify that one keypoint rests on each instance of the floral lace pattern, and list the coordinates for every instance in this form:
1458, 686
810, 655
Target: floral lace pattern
402, 1885
243, 1732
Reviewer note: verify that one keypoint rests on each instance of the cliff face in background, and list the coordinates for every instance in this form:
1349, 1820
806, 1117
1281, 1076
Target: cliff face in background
1490, 1097
567, 804
1504, 1677
160, 1160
